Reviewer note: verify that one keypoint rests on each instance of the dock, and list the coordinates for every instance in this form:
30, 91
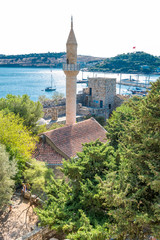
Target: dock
134, 84
127, 83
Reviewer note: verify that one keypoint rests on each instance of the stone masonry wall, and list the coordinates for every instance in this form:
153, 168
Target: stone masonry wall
103, 89
54, 112
38, 234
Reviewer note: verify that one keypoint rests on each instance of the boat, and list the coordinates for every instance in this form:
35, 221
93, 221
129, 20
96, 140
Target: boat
51, 88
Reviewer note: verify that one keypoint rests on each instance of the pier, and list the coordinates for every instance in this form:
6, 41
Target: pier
134, 84
124, 82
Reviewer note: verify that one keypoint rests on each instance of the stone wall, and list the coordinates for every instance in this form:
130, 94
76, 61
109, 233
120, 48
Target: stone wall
54, 112
83, 110
38, 234
102, 92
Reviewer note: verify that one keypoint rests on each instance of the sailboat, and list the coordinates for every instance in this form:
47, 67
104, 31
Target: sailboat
51, 88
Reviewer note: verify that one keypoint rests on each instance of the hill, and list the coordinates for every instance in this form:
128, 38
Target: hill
43, 60
138, 62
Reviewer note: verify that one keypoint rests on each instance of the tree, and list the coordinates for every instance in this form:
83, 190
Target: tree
15, 136
37, 174
42, 99
75, 207
103, 198
7, 172
17, 139
57, 96
136, 192
24, 107
121, 117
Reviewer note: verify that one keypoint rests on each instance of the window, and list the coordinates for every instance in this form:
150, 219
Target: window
90, 91
109, 106
101, 104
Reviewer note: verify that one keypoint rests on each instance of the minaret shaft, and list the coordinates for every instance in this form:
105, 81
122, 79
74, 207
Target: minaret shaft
71, 69
70, 100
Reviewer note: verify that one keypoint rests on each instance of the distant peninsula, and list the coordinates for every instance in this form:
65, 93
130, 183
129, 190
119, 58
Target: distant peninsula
137, 62
54, 60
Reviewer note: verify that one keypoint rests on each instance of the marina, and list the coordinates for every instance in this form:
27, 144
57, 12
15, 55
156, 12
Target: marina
33, 81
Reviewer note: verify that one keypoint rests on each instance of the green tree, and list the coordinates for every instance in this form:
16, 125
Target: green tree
136, 190
7, 172
120, 119
37, 174
75, 207
17, 139
24, 107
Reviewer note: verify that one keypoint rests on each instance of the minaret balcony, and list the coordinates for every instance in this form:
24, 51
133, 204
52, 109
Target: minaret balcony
71, 67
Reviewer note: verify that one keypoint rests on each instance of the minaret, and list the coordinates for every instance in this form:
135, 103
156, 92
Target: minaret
71, 69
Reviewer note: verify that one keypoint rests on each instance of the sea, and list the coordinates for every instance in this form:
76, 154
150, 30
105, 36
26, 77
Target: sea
33, 81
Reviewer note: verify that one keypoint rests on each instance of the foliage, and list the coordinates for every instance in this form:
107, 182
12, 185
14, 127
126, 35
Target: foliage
138, 62
7, 172
136, 196
15, 136
17, 139
100, 119
57, 96
43, 99
24, 107
103, 198
117, 123
75, 207
36, 174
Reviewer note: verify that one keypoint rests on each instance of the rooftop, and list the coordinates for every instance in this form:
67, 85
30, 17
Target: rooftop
69, 139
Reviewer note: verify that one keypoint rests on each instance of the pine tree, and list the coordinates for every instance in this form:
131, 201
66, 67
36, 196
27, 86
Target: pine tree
136, 198
75, 207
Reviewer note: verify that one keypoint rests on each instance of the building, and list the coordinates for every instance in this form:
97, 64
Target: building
66, 141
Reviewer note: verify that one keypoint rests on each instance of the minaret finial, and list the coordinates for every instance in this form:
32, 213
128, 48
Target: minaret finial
71, 22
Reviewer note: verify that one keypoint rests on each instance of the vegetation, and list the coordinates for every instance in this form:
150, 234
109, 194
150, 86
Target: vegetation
120, 119
36, 174
136, 193
7, 172
54, 60
113, 189
75, 207
24, 107
138, 62
100, 119
17, 139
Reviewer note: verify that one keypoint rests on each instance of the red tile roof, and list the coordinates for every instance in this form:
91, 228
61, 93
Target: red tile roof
69, 139
45, 153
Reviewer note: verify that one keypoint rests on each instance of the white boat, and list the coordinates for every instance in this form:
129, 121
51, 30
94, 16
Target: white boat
51, 88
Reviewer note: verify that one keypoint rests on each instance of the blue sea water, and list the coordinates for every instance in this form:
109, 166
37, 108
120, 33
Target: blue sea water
33, 81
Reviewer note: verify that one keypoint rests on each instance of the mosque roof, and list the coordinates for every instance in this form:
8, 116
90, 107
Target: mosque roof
69, 139
45, 153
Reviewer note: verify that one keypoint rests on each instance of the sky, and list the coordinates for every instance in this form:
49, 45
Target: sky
103, 28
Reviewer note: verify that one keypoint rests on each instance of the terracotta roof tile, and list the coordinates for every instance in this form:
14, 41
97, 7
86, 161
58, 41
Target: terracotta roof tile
45, 153
69, 139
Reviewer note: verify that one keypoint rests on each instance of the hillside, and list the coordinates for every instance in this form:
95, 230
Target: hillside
138, 62
43, 60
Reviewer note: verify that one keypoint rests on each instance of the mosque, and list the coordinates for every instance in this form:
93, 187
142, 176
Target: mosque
65, 142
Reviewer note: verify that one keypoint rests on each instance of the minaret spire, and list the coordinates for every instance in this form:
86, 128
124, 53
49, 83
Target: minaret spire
71, 69
71, 22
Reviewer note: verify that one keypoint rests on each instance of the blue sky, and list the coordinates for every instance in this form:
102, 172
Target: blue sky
103, 28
